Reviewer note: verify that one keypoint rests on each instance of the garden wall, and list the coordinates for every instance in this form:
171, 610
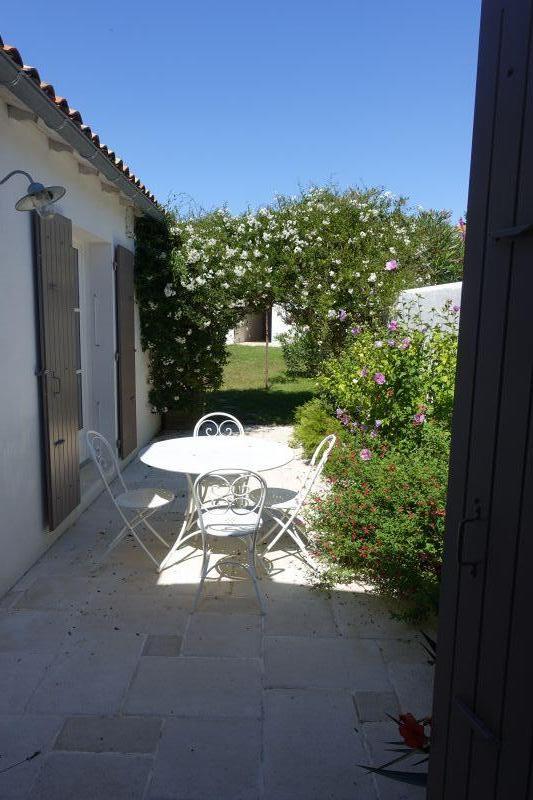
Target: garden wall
429, 300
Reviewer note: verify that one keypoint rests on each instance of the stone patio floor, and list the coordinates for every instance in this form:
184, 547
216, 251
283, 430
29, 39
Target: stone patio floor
128, 695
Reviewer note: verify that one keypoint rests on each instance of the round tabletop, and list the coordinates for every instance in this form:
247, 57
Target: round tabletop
194, 455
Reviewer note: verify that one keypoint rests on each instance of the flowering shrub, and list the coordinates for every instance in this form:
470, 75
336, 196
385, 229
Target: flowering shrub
384, 519
391, 381
331, 259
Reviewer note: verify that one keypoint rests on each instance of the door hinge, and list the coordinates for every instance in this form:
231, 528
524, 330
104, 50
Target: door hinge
117, 356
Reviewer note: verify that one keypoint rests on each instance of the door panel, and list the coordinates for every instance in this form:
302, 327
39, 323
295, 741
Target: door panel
127, 404
491, 443
56, 282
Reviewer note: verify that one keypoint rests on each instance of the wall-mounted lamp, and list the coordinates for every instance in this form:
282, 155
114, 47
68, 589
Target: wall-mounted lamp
38, 197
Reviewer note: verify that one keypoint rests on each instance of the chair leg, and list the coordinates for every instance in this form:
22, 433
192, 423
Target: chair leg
253, 574
153, 530
118, 538
204, 571
270, 530
283, 527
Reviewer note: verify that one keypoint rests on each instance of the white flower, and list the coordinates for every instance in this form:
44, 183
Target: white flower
169, 290
379, 343
372, 277
332, 313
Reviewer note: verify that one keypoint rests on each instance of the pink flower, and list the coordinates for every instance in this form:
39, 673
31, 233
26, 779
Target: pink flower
390, 266
405, 343
365, 454
364, 372
356, 330
419, 419
379, 378
393, 325
456, 309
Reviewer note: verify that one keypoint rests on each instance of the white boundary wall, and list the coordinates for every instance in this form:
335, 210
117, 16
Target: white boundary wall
429, 300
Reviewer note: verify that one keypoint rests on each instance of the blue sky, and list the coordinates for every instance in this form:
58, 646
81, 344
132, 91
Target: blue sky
231, 102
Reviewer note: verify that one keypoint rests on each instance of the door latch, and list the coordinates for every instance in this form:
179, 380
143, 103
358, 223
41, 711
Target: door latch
461, 532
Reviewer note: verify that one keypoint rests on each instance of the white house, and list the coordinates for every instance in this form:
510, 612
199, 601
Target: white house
69, 328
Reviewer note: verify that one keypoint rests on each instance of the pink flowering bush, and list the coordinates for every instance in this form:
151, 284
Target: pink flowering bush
383, 521
390, 381
390, 395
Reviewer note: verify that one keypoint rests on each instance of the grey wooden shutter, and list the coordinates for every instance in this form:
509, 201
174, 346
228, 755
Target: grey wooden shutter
57, 291
482, 743
127, 405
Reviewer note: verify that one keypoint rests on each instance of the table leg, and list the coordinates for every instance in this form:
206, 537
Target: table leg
186, 526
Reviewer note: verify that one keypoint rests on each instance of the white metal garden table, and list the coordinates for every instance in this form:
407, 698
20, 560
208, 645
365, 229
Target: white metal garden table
193, 455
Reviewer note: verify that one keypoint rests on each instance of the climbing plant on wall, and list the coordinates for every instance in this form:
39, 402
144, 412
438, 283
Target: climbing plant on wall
332, 260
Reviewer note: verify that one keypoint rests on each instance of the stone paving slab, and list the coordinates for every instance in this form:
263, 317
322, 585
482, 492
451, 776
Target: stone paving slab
34, 631
89, 676
219, 634
305, 662
376, 706
20, 737
162, 645
360, 615
308, 735
58, 594
20, 674
98, 657
376, 734
204, 759
109, 734
208, 687
89, 776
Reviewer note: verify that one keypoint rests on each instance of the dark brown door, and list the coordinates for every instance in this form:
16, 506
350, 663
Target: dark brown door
127, 405
483, 709
56, 269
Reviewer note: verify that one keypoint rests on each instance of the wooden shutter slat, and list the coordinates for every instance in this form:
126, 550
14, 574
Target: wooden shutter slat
125, 304
479, 634
56, 301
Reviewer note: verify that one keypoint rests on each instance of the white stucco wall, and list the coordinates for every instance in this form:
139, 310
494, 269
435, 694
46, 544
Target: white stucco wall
99, 219
428, 301
279, 325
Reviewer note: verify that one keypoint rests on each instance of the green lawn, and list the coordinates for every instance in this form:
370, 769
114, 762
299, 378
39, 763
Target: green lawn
243, 392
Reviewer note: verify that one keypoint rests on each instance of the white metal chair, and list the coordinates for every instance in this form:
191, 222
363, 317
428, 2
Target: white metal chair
232, 508
141, 502
218, 423
284, 506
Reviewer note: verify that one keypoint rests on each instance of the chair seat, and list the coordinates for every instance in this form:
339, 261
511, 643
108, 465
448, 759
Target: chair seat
146, 497
222, 522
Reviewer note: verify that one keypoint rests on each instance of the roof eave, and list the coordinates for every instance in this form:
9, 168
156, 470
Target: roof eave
26, 90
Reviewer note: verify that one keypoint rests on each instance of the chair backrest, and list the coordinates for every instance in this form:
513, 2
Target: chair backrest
218, 423
105, 460
317, 464
239, 491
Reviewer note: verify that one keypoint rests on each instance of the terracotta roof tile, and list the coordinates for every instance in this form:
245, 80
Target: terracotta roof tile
75, 116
